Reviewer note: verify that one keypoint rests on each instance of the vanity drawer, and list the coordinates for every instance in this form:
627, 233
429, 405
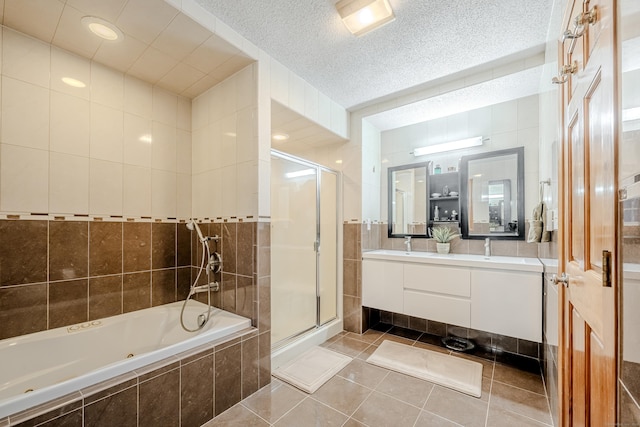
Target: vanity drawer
441, 280
441, 308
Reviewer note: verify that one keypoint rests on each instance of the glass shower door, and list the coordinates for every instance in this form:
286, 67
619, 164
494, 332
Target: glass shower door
293, 251
327, 256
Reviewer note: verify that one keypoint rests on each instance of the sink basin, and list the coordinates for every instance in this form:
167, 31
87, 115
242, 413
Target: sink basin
480, 261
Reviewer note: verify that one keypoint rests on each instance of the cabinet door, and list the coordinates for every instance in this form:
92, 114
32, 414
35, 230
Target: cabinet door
441, 280
507, 303
441, 308
382, 285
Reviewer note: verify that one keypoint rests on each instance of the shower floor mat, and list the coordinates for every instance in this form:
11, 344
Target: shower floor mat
448, 371
312, 369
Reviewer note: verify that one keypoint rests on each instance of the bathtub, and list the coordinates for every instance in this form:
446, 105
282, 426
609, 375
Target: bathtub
43, 366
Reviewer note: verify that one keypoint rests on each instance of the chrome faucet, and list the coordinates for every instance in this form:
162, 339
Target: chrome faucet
408, 243
487, 247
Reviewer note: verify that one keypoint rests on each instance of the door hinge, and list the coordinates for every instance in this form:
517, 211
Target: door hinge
606, 268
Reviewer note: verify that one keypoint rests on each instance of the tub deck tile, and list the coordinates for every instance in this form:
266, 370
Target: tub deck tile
159, 400
48, 411
108, 387
155, 369
117, 409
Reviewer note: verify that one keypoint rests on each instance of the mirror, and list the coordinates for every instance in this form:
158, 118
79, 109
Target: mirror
407, 186
492, 192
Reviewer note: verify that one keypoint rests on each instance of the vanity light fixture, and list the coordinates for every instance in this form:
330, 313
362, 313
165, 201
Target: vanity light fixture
362, 16
448, 146
101, 28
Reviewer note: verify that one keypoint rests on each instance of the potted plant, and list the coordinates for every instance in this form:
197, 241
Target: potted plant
443, 236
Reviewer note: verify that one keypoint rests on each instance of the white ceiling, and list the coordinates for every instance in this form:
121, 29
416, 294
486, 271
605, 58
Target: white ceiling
428, 40
302, 132
161, 45
502, 89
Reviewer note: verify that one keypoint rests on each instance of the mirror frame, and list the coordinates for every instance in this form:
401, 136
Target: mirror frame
464, 190
391, 193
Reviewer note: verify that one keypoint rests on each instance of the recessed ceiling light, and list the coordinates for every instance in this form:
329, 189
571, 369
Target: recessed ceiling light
339, 161
101, 28
231, 134
73, 82
362, 16
280, 136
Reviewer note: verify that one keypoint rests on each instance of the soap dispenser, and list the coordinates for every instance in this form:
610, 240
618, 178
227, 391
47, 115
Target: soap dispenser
436, 213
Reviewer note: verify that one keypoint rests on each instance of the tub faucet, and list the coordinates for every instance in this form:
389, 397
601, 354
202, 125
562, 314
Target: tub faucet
408, 243
487, 247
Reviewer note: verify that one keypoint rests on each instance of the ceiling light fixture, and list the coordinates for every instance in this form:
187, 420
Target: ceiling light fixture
280, 136
70, 81
101, 28
448, 146
362, 16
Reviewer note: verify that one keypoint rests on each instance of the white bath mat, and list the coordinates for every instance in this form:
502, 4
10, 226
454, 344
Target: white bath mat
312, 368
448, 371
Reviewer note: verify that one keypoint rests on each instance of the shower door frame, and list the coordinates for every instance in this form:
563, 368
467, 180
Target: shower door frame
317, 244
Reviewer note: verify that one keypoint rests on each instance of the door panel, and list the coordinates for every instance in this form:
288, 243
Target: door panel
327, 253
293, 255
588, 352
578, 369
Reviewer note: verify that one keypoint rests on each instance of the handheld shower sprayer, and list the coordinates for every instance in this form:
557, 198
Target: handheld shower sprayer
214, 265
192, 225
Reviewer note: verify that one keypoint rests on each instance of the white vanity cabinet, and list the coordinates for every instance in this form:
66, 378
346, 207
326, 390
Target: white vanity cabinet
384, 285
507, 303
437, 293
502, 295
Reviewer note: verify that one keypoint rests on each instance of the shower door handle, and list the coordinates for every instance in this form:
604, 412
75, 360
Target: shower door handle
316, 246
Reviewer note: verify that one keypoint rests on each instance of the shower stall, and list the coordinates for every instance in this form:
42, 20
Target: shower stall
304, 250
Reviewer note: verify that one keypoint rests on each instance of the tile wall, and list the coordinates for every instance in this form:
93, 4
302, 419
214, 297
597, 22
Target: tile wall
55, 273
95, 185
225, 149
116, 146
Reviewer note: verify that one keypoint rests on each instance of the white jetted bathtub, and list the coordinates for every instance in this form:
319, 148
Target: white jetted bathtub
39, 367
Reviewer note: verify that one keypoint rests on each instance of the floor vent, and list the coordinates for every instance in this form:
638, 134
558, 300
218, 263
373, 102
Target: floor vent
458, 344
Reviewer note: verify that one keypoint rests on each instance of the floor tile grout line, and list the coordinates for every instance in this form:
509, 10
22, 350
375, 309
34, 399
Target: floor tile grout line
520, 388
486, 417
294, 407
364, 400
528, 417
546, 392
254, 412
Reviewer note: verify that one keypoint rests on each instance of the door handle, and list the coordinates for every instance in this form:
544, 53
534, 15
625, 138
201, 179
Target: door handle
563, 278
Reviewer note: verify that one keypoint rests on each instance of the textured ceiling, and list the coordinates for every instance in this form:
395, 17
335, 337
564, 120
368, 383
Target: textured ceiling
428, 40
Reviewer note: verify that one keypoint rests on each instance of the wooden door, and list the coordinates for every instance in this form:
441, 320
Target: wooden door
588, 202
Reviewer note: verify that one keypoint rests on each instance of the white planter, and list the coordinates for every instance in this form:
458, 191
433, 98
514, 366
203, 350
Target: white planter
443, 248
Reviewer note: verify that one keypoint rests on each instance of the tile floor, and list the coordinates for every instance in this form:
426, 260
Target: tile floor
366, 395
